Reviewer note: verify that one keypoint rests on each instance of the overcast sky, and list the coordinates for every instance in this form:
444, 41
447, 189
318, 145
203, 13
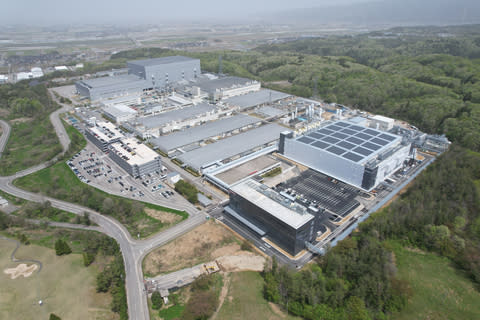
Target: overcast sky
147, 11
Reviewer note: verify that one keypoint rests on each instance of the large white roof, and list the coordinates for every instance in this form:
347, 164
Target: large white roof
249, 190
133, 151
383, 119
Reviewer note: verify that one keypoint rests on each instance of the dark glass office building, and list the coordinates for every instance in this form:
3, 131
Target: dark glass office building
269, 214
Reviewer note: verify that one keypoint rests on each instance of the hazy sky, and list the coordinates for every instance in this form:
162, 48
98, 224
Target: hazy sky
108, 11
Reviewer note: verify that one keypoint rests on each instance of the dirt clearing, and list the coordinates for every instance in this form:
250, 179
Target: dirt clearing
205, 243
21, 270
241, 262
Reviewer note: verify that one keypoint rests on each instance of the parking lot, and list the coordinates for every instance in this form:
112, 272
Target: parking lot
96, 168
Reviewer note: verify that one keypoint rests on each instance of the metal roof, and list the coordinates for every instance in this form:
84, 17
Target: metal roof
350, 141
254, 99
164, 60
175, 115
119, 110
231, 146
222, 83
210, 129
250, 190
271, 111
112, 81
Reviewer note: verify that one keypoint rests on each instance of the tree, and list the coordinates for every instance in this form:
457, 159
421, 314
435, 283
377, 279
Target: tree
62, 248
53, 316
156, 300
356, 310
88, 258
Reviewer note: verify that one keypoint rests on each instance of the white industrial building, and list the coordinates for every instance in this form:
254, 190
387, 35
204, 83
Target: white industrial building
154, 126
60, 68
224, 88
382, 123
119, 113
34, 73
103, 134
37, 72
360, 156
135, 157
3, 78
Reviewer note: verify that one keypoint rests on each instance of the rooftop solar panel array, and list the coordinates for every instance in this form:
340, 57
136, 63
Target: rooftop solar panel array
348, 140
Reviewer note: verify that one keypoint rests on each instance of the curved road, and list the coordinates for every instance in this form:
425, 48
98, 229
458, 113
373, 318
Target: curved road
133, 250
5, 135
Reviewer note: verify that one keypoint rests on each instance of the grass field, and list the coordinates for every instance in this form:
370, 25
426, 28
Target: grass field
245, 300
439, 290
30, 143
77, 140
60, 182
65, 286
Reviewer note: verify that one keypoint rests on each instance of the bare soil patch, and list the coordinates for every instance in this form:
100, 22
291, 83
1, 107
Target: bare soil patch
204, 243
163, 216
276, 309
21, 270
20, 120
242, 262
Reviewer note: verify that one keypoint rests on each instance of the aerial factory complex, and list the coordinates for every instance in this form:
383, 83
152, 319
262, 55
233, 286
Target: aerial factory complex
290, 174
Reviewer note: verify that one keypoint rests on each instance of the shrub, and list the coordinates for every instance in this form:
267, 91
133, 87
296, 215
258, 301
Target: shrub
156, 300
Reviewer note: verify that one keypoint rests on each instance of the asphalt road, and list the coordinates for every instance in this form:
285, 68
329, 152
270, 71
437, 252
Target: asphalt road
57, 123
5, 135
133, 251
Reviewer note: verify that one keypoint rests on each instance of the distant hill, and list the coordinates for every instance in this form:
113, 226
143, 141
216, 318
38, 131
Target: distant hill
388, 12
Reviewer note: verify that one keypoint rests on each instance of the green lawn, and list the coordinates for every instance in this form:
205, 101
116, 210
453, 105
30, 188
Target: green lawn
439, 290
60, 182
245, 300
65, 286
173, 312
30, 143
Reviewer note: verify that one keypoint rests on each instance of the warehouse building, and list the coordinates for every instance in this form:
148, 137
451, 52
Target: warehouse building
231, 148
360, 156
134, 157
169, 144
269, 214
165, 71
255, 99
112, 87
103, 134
119, 113
154, 126
223, 88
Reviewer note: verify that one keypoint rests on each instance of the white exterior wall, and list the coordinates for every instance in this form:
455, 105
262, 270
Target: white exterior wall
325, 162
383, 125
236, 91
392, 164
